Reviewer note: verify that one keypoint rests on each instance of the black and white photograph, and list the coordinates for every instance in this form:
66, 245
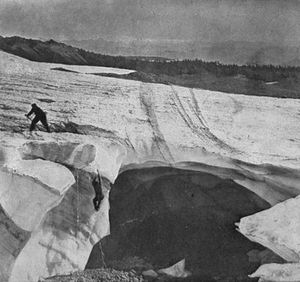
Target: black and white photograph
149, 140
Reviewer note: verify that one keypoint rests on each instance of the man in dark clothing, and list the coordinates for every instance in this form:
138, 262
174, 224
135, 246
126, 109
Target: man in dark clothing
40, 115
98, 192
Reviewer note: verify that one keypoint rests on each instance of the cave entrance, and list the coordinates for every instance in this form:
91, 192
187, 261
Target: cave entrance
161, 215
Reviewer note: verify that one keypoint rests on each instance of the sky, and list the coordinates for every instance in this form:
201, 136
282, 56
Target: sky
270, 21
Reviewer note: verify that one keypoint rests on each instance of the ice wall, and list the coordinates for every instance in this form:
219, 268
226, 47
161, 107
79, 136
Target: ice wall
278, 229
67, 235
28, 190
64, 240
64, 226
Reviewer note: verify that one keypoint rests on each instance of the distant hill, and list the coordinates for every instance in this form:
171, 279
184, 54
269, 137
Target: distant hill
36, 50
227, 52
250, 79
136, 48
230, 52
56, 52
48, 51
255, 53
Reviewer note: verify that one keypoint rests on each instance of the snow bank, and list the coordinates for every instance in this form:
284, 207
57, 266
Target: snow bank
14, 64
92, 69
176, 270
273, 272
74, 154
29, 189
278, 229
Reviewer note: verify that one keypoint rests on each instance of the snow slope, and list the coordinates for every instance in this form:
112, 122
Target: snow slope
127, 124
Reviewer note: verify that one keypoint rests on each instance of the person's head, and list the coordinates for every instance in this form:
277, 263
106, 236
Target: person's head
33, 105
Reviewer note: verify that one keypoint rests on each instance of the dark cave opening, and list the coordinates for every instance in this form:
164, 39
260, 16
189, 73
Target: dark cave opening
160, 216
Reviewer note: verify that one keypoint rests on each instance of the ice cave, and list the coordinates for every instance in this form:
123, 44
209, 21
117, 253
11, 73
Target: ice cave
161, 215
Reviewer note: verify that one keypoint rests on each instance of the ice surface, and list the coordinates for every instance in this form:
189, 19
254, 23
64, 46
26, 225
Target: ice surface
124, 124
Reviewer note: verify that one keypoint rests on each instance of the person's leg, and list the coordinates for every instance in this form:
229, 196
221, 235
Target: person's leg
101, 197
33, 123
45, 123
99, 200
96, 203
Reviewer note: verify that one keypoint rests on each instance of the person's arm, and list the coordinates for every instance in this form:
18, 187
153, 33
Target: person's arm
30, 113
99, 179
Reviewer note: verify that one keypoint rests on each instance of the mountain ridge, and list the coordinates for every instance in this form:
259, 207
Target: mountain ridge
84, 52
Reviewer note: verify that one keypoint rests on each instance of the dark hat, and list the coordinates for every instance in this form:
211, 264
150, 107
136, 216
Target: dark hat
33, 105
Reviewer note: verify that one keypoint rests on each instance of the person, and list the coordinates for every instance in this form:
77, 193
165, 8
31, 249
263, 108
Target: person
98, 192
40, 115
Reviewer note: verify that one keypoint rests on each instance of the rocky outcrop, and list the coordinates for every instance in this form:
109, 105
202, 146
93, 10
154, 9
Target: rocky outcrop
103, 274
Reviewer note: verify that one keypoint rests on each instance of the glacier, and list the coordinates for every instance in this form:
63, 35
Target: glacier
49, 226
